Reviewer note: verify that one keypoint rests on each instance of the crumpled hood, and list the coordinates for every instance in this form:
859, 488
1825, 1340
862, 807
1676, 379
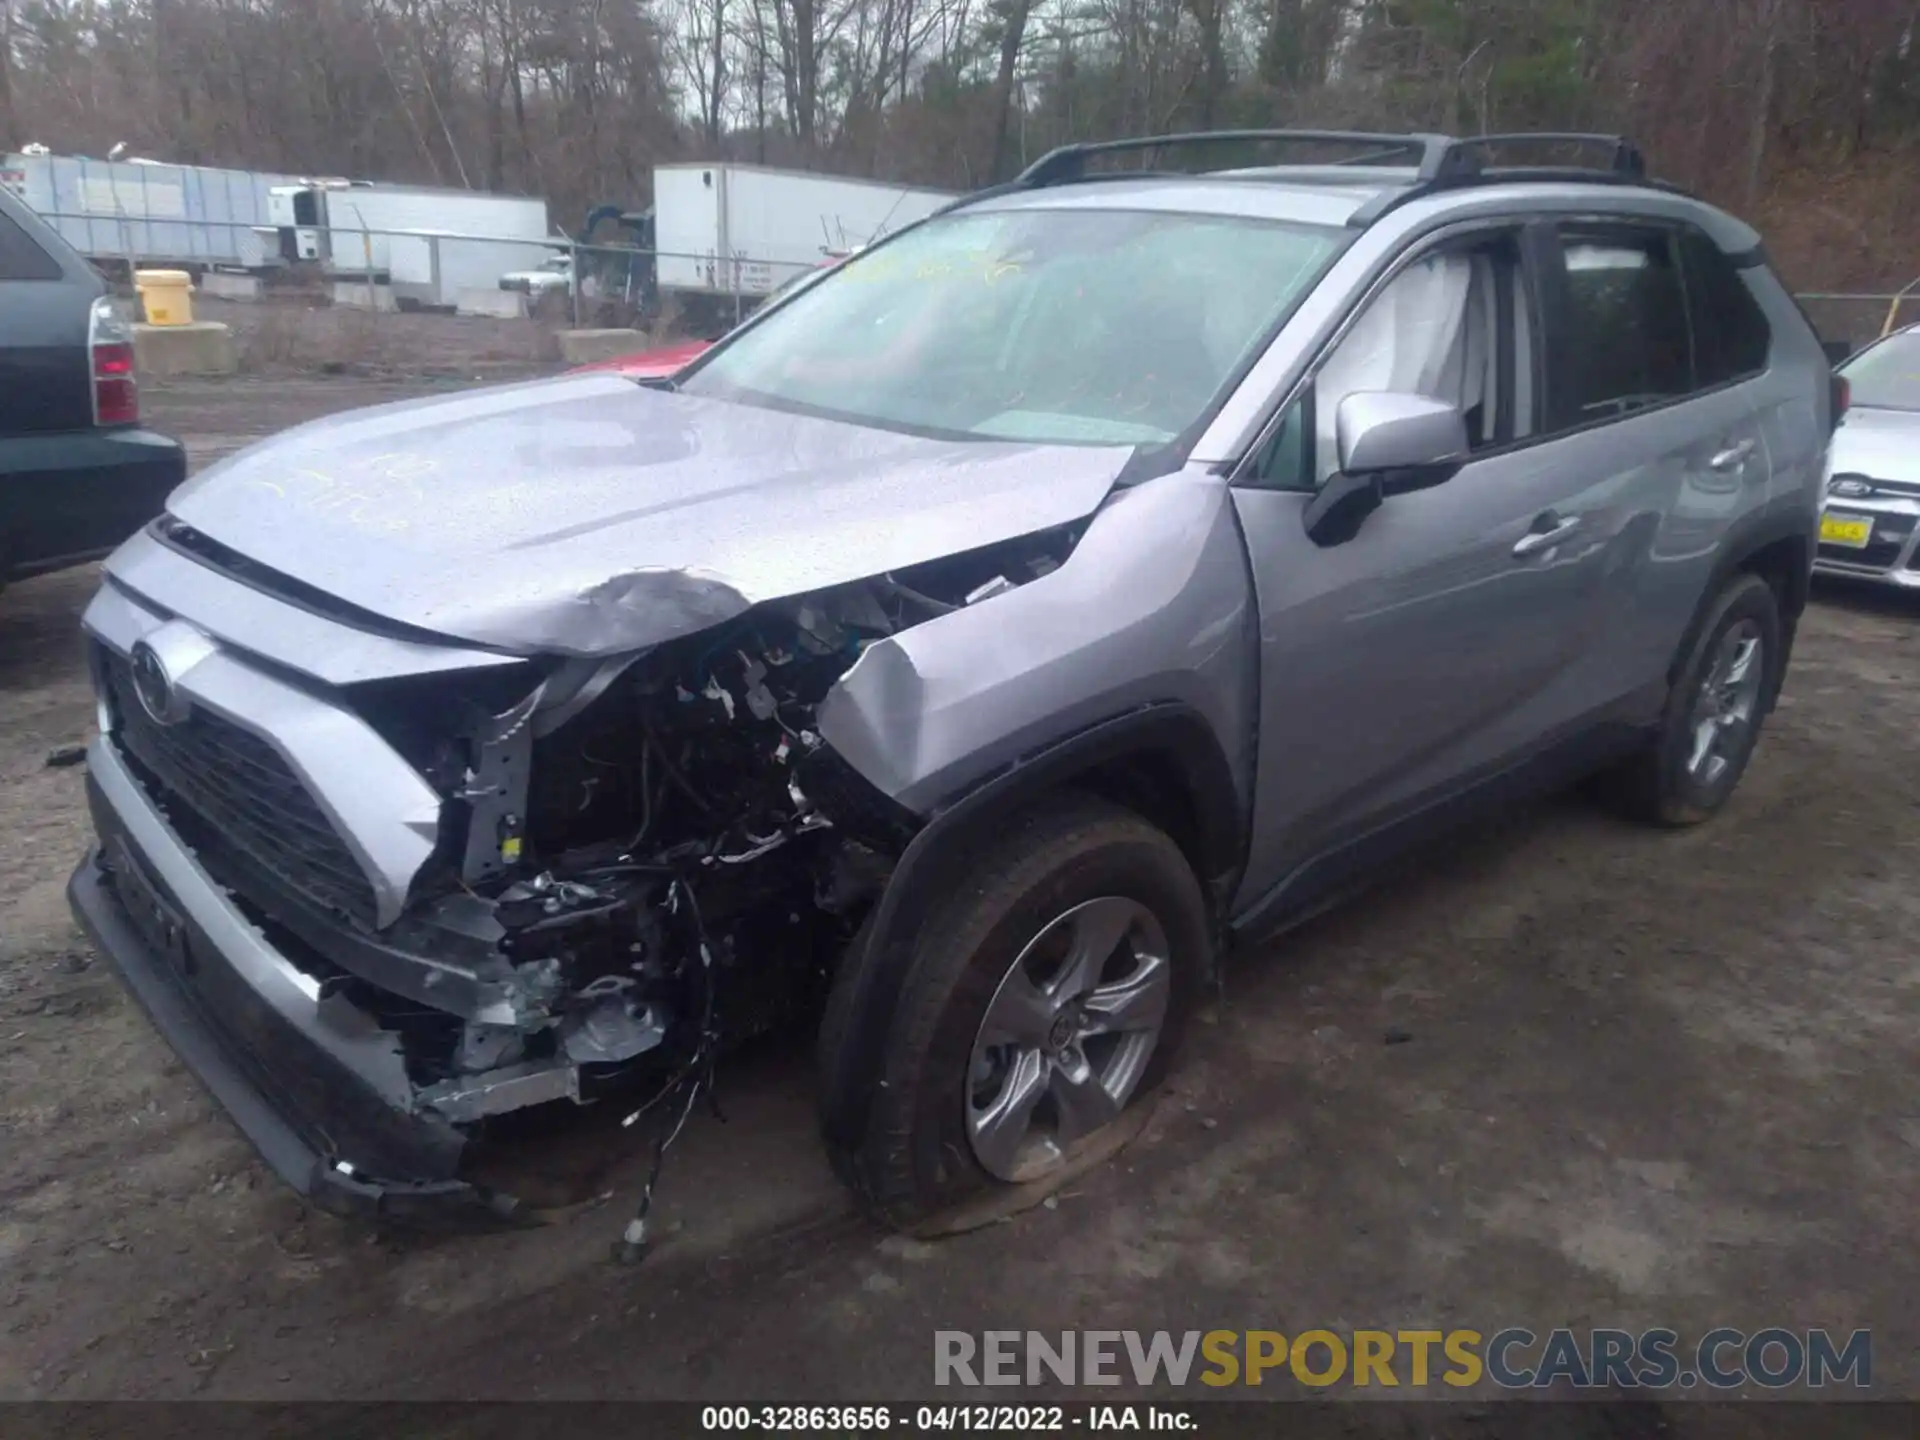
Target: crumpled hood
1884, 444
588, 515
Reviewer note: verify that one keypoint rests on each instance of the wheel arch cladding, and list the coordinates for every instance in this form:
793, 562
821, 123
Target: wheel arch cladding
1785, 563
1161, 761
1777, 548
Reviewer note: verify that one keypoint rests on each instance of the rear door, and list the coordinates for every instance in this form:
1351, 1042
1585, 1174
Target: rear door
1649, 386
46, 294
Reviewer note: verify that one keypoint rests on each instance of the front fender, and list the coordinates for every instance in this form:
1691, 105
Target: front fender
1153, 606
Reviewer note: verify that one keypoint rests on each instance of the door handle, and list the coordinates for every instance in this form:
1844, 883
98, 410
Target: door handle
1733, 457
1534, 541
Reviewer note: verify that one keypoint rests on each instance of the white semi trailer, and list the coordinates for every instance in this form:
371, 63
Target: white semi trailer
428, 244
192, 216
737, 231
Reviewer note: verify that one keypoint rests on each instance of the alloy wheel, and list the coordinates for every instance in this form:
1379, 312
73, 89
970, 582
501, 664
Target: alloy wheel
1727, 702
1067, 1036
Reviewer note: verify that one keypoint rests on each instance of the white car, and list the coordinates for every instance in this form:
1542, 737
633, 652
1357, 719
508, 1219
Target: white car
552, 277
1869, 525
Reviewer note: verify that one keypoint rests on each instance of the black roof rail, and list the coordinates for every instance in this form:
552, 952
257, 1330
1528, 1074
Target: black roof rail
1626, 161
1430, 155
1628, 168
1439, 162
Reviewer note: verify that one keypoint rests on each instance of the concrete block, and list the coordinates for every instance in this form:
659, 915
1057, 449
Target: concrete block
582, 347
202, 348
230, 287
491, 304
359, 295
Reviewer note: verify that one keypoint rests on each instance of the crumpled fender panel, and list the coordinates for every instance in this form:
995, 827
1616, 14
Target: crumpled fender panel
1153, 606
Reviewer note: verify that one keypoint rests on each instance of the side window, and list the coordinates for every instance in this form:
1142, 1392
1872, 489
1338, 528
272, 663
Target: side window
21, 257
1452, 325
1285, 461
1731, 335
1624, 344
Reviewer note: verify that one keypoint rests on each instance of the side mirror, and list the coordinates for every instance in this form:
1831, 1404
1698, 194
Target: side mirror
1389, 444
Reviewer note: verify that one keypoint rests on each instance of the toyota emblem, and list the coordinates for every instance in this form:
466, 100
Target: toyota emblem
154, 687
1851, 488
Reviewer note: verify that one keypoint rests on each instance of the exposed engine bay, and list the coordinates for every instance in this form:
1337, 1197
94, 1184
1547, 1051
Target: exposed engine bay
665, 857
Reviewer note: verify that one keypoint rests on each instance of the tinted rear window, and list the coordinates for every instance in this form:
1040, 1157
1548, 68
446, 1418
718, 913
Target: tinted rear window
21, 256
1731, 337
1627, 307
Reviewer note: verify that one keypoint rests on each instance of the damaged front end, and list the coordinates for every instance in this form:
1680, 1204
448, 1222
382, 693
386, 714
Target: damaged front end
662, 854
523, 882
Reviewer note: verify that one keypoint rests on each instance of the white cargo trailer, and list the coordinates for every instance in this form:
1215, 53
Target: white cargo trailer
430, 244
158, 214
739, 230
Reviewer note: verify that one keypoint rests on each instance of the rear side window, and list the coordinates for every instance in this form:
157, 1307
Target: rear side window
1623, 343
1731, 335
21, 256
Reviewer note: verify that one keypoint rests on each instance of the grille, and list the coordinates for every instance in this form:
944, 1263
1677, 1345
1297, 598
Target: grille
1887, 489
245, 793
1878, 554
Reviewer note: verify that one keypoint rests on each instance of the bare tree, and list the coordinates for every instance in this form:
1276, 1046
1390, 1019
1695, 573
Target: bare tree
9, 128
578, 99
1012, 19
1767, 34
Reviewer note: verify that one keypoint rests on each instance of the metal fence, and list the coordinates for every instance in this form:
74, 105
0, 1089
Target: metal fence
435, 269
1859, 317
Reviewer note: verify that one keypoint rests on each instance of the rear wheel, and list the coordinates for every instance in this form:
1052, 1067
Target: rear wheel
1714, 712
1042, 998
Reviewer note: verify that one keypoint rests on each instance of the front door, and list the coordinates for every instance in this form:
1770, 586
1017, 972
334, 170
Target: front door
1447, 636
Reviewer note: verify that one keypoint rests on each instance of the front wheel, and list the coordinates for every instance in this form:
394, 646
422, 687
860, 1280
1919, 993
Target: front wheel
1714, 711
1046, 994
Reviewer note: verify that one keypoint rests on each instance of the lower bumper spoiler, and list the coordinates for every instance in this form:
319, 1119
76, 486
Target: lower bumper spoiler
313, 1085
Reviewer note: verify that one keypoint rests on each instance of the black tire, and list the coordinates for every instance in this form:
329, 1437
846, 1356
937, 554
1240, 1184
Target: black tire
1656, 786
914, 1159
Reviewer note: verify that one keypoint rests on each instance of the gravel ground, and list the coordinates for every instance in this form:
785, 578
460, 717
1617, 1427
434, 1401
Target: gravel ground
1644, 1079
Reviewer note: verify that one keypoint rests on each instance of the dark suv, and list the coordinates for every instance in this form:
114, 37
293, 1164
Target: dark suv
78, 473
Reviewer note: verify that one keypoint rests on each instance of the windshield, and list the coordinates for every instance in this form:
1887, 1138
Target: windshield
1886, 376
1077, 326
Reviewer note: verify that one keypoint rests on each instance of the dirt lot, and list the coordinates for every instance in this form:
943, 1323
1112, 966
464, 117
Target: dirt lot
1652, 1080
294, 335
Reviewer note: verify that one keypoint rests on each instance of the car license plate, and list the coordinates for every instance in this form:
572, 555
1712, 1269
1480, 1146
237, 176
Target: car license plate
1846, 530
156, 921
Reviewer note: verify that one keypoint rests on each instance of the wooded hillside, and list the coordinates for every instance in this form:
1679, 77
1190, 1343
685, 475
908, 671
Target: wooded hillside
1801, 114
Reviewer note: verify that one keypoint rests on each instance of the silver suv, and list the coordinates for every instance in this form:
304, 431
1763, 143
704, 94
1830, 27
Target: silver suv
969, 652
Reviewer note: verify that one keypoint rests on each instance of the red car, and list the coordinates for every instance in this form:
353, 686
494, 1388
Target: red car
651, 364
669, 359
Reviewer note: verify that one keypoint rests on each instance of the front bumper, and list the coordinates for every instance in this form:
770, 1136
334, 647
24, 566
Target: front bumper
318, 1089
1891, 554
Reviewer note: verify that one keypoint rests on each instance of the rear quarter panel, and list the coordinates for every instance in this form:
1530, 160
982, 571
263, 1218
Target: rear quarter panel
45, 379
1793, 401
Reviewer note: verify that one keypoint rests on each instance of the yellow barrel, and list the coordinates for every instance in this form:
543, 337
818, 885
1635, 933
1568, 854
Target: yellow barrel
166, 295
